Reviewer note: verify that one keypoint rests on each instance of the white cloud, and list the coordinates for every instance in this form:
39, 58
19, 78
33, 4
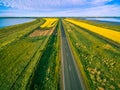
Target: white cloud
40, 4
60, 8
100, 1
106, 10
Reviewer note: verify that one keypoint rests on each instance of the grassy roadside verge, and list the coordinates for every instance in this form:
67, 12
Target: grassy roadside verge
47, 73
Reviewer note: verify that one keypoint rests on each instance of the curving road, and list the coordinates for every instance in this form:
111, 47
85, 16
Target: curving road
71, 77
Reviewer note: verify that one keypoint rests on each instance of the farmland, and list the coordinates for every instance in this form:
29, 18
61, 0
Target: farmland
60, 53
21, 51
47, 75
109, 25
97, 59
108, 33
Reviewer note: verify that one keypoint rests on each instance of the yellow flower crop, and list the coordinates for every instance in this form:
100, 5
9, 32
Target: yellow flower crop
108, 33
50, 22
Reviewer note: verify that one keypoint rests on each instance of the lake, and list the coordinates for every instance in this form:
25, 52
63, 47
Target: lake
12, 21
105, 19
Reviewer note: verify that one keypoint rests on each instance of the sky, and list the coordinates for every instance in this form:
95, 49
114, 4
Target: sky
40, 8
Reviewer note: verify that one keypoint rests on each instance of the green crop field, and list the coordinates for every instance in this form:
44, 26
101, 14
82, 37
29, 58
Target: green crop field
47, 75
31, 54
20, 54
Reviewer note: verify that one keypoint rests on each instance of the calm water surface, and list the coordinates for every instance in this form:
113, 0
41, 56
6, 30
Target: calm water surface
105, 19
12, 21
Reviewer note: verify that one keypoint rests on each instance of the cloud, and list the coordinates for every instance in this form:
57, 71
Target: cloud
104, 10
100, 1
45, 4
59, 8
40, 4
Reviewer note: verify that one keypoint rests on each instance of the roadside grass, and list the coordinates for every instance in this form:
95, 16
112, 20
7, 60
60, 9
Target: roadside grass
47, 73
99, 59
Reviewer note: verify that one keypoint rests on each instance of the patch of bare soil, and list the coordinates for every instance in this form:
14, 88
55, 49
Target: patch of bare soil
41, 33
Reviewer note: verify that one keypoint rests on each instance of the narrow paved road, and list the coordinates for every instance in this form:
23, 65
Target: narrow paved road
71, 78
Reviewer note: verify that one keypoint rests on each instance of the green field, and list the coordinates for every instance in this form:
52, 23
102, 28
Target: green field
20, 54
47, 75
30, 55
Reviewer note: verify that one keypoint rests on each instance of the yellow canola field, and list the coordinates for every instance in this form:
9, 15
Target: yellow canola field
108, 33
50, 22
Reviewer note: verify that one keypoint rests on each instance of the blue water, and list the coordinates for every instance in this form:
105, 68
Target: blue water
105, 19
12, 21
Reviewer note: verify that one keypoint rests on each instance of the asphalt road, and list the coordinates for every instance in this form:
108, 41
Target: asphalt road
71, 77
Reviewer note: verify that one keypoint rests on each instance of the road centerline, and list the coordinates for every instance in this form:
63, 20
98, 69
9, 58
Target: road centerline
71, 77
